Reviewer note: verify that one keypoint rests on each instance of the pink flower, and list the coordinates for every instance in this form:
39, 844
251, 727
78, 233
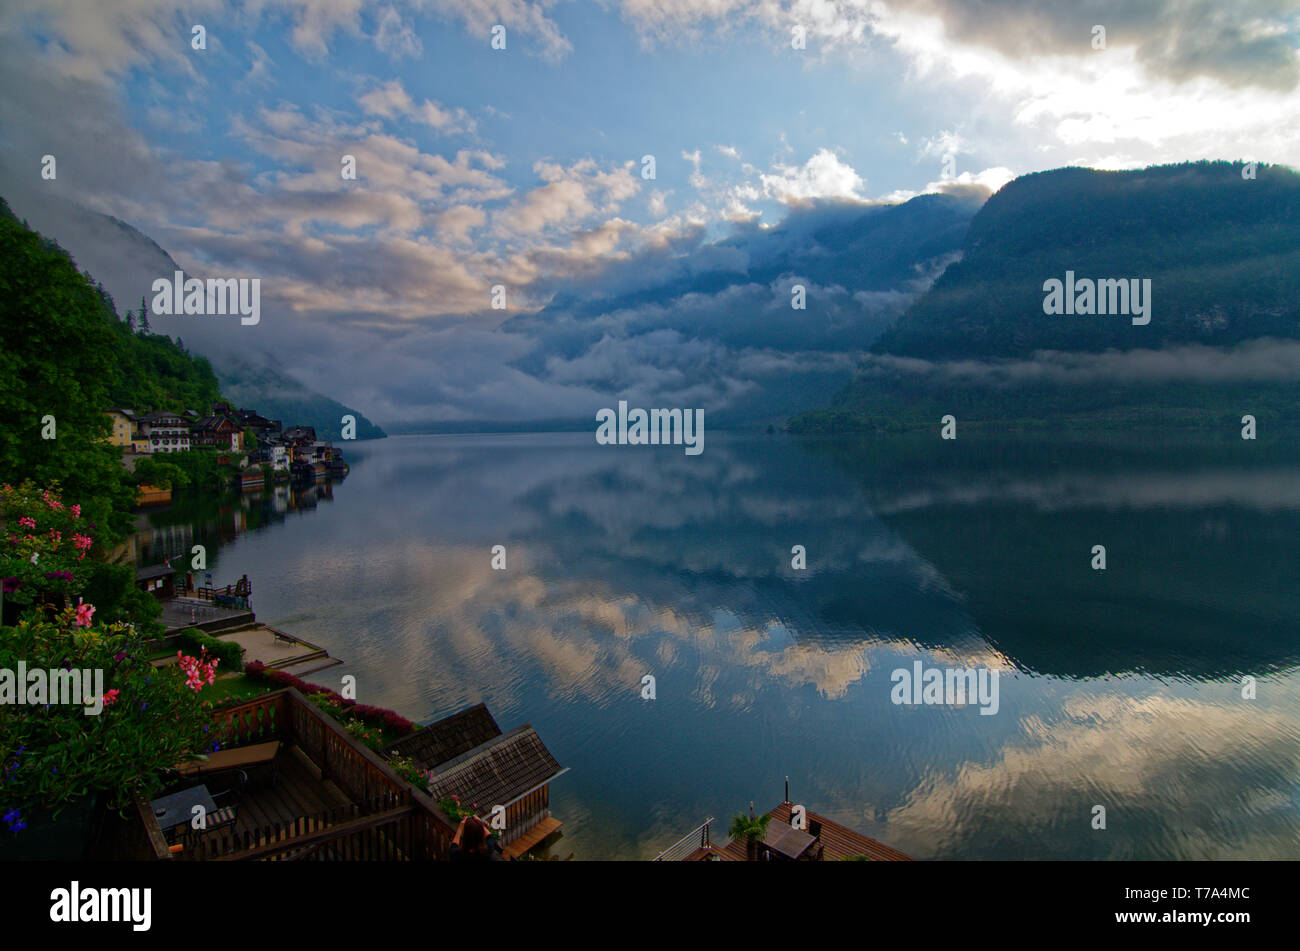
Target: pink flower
27, 522
110, 697
56, 537
76, 511
84, 613
198, 670
83, 542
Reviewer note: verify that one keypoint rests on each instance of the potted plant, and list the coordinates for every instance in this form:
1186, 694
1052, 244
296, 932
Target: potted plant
751, 830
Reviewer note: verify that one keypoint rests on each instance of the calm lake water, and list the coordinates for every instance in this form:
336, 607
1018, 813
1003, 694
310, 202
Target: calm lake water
1120, 688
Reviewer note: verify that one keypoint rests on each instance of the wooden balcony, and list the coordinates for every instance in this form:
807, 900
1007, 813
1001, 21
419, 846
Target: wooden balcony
331, 798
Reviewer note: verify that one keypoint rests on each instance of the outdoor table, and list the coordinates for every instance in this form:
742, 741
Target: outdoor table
787, 840
178, 808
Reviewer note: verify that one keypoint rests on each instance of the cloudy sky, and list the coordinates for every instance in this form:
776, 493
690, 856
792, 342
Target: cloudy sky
525, 167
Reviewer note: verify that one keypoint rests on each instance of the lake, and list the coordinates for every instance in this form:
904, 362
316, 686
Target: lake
1120, 688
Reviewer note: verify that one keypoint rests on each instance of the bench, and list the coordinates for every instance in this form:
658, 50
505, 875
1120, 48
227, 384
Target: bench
240, 758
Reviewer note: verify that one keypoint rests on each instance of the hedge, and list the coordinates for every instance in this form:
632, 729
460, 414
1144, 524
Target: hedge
229, 653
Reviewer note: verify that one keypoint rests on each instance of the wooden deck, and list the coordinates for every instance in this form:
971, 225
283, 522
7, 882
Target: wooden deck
838, 842
532, 838
298, 791
331, 798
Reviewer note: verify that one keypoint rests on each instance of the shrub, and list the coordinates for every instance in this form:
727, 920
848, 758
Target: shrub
54, 754
229, 653
42, 557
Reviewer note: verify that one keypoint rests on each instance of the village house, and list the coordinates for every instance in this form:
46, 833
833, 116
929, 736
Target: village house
262, 427
295, 452
125, 427
217, 432
166, 432
273, 455
299, 435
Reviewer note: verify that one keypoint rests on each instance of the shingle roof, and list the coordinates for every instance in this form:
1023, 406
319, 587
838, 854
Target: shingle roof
153, 571
447, 738
498, 771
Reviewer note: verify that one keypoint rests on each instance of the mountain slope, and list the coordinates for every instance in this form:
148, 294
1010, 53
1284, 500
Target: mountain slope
67, 357
1222, 254
126, 262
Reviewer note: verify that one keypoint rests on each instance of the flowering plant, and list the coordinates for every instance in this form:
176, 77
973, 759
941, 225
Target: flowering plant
405, 767
199, 671
53, 753
42, 545
455, 810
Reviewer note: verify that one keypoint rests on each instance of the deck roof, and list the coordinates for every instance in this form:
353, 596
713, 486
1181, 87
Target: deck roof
153, 571
496, 772
448, 738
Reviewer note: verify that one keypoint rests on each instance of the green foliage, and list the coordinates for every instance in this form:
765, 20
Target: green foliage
899, 401
278, 396
113, 592
230, 654
454, 810
161, 472
751, 830
44, 549
405, 767
155, 373
54, 754
66, 355
365, 734
201, 470
57, 360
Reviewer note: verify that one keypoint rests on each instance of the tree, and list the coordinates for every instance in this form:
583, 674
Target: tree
144, 317
130, 321
751, 830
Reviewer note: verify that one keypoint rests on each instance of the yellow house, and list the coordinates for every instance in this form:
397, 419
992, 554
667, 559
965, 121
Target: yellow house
124, 427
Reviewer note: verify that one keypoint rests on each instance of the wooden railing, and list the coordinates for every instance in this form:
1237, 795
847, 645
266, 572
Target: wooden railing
361, 774
241, 590
380, 828
256, 721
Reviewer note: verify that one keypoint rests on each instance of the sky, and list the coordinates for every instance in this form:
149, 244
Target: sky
526, 167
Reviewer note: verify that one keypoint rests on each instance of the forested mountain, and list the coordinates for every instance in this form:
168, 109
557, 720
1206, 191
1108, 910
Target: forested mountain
1222, 253
66, 357
264, 387
127, 261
